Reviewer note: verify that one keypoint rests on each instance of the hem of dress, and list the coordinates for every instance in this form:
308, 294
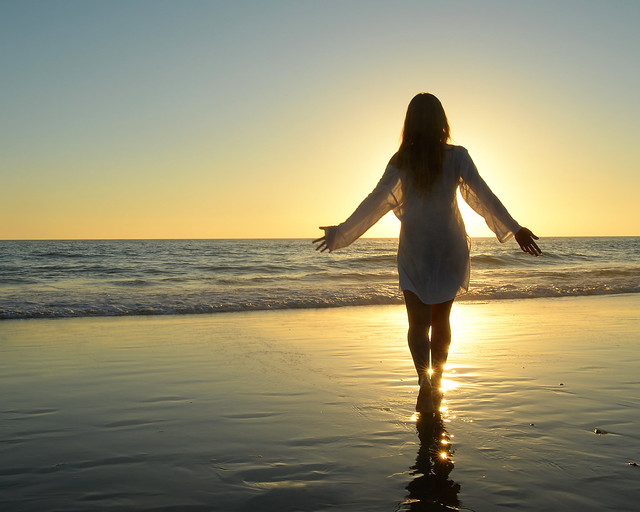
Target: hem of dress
461, 291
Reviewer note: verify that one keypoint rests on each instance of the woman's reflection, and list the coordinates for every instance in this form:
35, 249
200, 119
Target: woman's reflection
432, 489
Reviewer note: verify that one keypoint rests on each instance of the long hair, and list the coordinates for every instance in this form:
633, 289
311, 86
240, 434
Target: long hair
424, 137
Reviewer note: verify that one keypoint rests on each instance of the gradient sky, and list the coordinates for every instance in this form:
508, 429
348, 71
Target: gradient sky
226, 119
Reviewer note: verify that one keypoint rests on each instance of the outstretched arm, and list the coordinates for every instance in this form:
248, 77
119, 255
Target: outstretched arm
479, 196
385, 196
525, 239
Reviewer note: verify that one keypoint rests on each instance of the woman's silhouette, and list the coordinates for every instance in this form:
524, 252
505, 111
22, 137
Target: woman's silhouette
419, 185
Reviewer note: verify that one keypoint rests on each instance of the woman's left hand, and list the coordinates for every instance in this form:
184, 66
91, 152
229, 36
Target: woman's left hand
525, 239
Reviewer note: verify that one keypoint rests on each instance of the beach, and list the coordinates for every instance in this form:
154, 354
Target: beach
313, 409
212, 216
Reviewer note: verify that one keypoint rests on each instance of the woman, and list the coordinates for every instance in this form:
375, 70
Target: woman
420, 185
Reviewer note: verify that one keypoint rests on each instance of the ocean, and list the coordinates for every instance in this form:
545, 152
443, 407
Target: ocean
82, 278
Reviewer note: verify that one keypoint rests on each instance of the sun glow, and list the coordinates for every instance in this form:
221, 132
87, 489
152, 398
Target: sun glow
105, 148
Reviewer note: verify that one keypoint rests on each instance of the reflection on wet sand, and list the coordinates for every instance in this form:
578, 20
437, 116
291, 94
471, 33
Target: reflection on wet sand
432, 489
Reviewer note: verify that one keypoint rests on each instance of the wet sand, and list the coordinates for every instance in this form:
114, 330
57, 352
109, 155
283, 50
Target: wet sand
312, 410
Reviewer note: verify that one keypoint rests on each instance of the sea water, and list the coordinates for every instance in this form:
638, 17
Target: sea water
76, 278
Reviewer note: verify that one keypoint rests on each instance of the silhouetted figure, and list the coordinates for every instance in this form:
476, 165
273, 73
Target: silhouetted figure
419, 185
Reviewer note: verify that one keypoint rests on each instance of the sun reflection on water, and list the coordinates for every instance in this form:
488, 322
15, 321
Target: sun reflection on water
431, 487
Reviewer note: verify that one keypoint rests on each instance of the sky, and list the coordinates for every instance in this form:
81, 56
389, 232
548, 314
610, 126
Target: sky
261, 119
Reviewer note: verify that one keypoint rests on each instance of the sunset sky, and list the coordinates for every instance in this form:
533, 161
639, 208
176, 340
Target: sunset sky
242, 119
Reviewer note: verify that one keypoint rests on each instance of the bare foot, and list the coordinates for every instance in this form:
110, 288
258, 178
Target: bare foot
425, 398
436, 396
436, 388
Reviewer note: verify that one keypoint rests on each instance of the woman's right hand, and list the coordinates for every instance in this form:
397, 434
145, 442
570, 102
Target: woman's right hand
525, 239
322, 241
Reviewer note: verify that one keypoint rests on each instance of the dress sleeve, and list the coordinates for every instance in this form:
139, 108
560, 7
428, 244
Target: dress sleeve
479, 196
386, 196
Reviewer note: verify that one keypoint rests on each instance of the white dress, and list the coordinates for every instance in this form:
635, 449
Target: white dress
433, 249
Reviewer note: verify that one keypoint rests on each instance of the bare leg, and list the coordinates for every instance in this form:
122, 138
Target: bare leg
440, 340
428, 352
419, 315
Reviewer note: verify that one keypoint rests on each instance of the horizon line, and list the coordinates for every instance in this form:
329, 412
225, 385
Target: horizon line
267, 238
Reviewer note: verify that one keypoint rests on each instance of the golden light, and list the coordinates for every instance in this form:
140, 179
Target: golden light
448, 384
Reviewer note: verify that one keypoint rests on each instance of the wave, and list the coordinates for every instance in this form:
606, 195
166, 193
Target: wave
491, 260
378, 258
64, 255
547, 291
120, 278
17, 280
132, 282
330, 300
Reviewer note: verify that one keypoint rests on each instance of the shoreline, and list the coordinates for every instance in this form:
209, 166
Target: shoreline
458, 301
313, 409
